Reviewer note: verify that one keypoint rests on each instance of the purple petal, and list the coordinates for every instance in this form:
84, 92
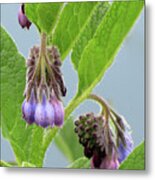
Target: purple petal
109, 163
44, 115
23, 20
40, 115
104, 163
28, 110
58, 112
124, 151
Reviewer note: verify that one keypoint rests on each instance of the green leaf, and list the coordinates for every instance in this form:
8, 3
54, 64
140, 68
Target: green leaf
67, 141
89, 31
81, 163
28, 142
44, 15
136, 160
31, 10
71, 22
101, 50
47, 15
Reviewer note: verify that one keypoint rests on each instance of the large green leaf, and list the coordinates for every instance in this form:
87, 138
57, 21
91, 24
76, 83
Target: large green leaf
28, 142
72, 20
136, 160
88, 32
101, 50
81, 163
31, 11
67, 141
43, 15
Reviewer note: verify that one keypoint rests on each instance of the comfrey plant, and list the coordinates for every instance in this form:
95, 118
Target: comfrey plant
106, 145
90, 34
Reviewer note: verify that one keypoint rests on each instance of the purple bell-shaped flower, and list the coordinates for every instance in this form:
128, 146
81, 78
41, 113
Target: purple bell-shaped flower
28, 108
22, 19
124, 151
44, 114
58, 111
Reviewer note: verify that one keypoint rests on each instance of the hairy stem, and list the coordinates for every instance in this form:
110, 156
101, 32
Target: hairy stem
104, 105
43, 44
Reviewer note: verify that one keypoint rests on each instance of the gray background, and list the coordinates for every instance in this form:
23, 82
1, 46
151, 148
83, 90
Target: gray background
122, 85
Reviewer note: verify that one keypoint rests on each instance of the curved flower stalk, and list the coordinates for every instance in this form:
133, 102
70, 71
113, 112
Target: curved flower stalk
22, 19
44, 87
106, 145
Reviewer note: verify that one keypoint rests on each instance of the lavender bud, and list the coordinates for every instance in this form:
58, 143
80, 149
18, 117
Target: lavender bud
108, 163
28, 108
23, 20
95, 161
105, 161
44, 114
58, 111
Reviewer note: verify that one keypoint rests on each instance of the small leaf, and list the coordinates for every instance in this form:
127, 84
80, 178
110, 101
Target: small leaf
67, 141
81, 163
89, 31
72, 19
43, 15
136, 160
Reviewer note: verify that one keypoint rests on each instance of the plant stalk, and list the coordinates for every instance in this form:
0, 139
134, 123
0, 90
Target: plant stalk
103, 103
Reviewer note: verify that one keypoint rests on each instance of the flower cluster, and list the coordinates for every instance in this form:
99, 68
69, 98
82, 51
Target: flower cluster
44, 88
106, 148
22, 19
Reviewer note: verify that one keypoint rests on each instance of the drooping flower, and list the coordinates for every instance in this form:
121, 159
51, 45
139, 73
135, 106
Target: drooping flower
58, 111
22, 19
47, 88
97, 138
44, 114
106, 145
28, 108
126, 147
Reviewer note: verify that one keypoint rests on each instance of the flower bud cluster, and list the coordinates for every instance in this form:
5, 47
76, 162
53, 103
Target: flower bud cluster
44, 88
22, 19
105, 148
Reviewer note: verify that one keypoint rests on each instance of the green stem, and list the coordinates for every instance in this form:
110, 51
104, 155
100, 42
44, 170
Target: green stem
43, 44
103, 103
42, 54
72, 105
